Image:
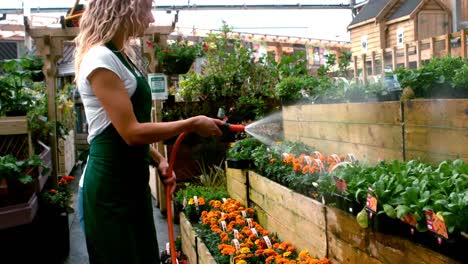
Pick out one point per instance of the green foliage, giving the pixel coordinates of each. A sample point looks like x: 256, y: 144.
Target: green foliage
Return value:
x: 292, y: 65
x: 242, y: 149
x: 289, y: 88
x: 207, y: 192
x: 12, y: 169
x: 460, y: 79
x: 435, y: 79
x: 211, y: 176
x: 344, y: 60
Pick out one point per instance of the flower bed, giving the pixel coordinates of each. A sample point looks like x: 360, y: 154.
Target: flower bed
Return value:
x: 229, y: 233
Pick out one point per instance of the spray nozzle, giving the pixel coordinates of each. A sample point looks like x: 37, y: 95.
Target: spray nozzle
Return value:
x: 233, y: 128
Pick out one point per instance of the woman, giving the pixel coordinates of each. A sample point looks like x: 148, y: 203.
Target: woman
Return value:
x: 117, y: 207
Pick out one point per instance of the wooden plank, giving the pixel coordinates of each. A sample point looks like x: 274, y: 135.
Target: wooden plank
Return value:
x: 369, y: 154
x: 377, y: 135
x: 315, y: 244
x: 341, y: 252
x: 355, y: 68
x: 236, y: 189
x: 15, y: 125
x: 359, y: 113
x: 344, y: 226
x: 237, y: 174
x: 450, y: 113
x: 295, y: 202
x: 373, y: 63
x: 364, y: 68
x: 406, y: 56
x: 463, y: 43
x: 418, y: 54
x: 393, y: 249
x: 204, y: 255
x: 452, y: 142
x: 188, y: 239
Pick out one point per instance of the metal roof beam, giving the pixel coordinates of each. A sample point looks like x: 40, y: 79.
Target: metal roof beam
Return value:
x: 192, y: 8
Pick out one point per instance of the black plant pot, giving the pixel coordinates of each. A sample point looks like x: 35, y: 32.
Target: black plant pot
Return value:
x: 348, y: 205
x: 16, y: 113
x: 38, y: 76
x: 238, y: 164
x: 55, y: 231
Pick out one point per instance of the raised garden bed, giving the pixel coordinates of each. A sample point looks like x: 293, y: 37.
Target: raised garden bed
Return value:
x: 192, y: 246
x: 18, y: 214
x: 328, y: 231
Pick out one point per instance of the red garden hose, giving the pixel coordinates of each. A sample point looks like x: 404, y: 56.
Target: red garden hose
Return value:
x: 170, y: 170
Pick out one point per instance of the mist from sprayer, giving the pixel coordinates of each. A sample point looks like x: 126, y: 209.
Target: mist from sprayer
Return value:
x: 267, y: 130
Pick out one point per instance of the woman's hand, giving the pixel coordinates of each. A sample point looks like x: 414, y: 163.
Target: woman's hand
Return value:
x: 163, y: 166
x: 206, y: 126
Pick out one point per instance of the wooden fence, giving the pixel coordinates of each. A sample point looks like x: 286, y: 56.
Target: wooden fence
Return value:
x: 411, y: 54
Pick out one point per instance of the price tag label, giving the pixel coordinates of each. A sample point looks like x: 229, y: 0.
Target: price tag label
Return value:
x: 267, y: 241
x: 223, y: 225
x: 254, y: 231
x: 340, y: 184
x: 249, y: 222
x: 371, y: 202
x: 336, y: 158
x: 308, y: 160
x: 195, y: 200
x: 168, y: 249
x: 224, y: 200
x: 436, y: 224
x: 184, y: 203
x: 236, y: 244
x: 235, y: 233
x: 244, y: 213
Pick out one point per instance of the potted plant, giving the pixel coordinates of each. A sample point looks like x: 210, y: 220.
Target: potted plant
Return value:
x: 177, y: 57
x: 54, y: 206
x: 19, y: 178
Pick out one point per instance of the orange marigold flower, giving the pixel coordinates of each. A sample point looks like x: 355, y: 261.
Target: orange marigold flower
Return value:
x: 272, y: 160
x: 201, y: 201
x: 53, y: 191
x: 269, y: 259
x: 305, y: 169
x: 297, y: 166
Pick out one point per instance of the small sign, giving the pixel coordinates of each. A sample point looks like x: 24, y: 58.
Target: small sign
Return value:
x: 223, y: 225
x: 340, y: 184
x: 267, y: 241
x: 236, y: 244
x: 236, y: 233
x: 371, y: 202
x: 158, y: 85
x: 254, y: 231
x: 249, y: 222
x: 436, y: 224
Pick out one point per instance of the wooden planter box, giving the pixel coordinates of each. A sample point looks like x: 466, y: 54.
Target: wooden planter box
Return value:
x: 192, y: 246
x: 327, y: 231
x: 66, y: 154
x: 15, y: 137
x: 18, y: 214
x: 433, y: 130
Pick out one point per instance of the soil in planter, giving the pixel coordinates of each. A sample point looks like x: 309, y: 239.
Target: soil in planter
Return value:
x: 347, y: 205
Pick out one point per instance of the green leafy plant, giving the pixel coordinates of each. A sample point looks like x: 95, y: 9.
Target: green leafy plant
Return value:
x: 242, y: 149
x: 22, y: 171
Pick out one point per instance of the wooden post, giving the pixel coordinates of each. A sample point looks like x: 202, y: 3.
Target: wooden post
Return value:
x: 418, y: 54
x: 448, y: 45
x: 463, y: 43
x: 394, y: 59
x: 432, y: 47
x: 364, y: 69
x: 355, y: 68
x: 383, y: 62
x: 406, y: 56
x: 373, y: 63
x: 51, y: 49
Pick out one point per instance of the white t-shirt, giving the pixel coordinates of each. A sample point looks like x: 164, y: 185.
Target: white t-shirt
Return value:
x: 96, y: 116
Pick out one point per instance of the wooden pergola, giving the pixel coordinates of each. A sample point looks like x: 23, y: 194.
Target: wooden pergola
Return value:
x: 49, y: 45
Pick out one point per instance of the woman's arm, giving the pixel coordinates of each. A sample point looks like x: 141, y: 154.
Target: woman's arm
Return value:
x: 111, y: 92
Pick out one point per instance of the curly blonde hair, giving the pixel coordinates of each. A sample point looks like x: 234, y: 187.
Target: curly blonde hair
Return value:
x: 103, y: 18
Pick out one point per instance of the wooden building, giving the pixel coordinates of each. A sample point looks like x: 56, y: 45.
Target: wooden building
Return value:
x: 383, y: 24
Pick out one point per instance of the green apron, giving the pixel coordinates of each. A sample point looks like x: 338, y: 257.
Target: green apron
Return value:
x: 117, y: 204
